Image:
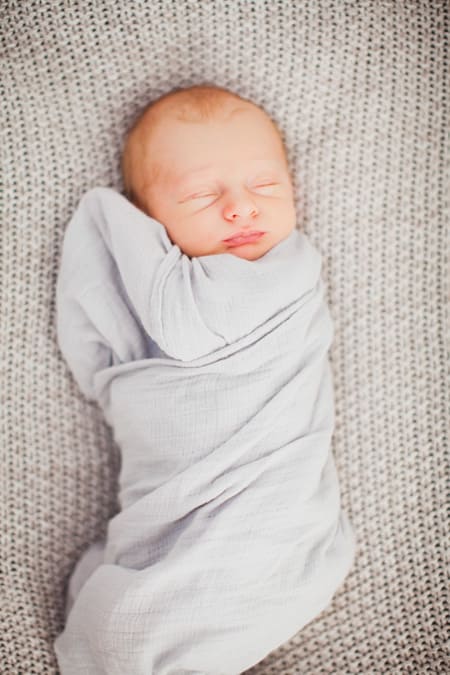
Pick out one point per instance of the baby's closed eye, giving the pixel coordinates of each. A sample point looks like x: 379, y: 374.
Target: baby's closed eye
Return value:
x: 265, y: 185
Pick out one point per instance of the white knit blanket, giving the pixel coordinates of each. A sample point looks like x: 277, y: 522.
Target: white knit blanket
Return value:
x: 213, y: 373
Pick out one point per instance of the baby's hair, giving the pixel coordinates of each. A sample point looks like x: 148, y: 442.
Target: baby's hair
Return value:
x: 198, y: 103
x: 195, y: 104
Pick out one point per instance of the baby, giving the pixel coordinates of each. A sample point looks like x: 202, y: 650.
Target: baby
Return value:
x: 212, y: 370
x: 212, y: 168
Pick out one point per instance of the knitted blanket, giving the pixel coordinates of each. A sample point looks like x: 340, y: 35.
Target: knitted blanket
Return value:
x: 213, y: 373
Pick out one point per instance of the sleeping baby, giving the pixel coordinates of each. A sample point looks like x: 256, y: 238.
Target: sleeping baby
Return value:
x: 192, y: 311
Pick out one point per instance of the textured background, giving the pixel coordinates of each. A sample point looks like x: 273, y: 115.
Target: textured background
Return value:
x: 361, y: 93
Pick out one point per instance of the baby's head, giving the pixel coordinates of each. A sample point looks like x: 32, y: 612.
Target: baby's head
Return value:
x: 208, y: 164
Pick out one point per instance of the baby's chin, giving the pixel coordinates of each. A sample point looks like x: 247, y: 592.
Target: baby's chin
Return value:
x: 239, y: 252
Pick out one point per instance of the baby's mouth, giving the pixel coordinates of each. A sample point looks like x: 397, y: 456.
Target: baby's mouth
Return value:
x: 244, y: 238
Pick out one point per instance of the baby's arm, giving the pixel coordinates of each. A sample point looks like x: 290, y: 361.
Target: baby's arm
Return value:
x: 110, y: 254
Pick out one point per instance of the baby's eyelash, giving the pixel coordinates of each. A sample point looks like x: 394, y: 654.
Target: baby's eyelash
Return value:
x: 263, y: 185
x: 194, y: 196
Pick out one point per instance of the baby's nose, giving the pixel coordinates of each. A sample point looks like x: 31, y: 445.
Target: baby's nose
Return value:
x: 240, y: 207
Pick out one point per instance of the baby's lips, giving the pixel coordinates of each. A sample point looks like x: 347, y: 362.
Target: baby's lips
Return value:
x: 244, y: 234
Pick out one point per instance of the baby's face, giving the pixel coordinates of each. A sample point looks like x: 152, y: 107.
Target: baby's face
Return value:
x: 218, y: 178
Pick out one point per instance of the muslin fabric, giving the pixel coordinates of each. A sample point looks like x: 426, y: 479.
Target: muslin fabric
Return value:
x: 231, y: 535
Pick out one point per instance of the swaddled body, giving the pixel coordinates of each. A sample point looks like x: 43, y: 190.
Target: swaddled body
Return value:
x: 213, y: 372
x: 231, y: 535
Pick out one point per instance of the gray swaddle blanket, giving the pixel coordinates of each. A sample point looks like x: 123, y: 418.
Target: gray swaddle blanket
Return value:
x: 213, y: 373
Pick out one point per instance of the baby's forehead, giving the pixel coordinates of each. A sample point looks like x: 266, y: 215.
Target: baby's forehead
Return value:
x: 162, y: 129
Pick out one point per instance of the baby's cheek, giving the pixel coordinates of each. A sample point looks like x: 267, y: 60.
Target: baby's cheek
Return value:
x: 186, y: 236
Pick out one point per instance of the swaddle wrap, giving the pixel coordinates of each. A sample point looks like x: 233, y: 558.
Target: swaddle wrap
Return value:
x: 213, y: 373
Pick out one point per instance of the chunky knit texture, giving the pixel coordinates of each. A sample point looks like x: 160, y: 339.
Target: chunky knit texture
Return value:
x: 361, y: 93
